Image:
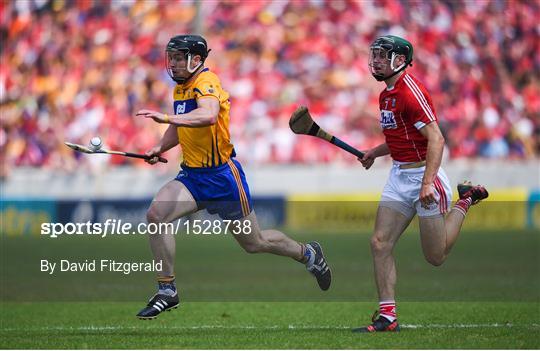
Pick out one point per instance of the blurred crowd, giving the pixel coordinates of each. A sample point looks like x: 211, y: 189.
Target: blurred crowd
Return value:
x: 71, y: 70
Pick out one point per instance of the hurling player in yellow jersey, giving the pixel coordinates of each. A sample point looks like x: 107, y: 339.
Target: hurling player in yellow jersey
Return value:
x: 210, y: 178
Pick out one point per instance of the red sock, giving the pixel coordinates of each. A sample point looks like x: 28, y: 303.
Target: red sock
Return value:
x: 387, y: 309
x: 463, y: 205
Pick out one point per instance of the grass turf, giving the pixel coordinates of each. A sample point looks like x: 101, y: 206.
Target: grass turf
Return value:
x: 275, y: 325
x: 485, y: 296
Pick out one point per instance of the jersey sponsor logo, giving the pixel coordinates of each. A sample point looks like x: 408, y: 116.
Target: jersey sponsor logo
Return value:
x: 181, y: 108
x: 388, y: 121
x: 184, y: 106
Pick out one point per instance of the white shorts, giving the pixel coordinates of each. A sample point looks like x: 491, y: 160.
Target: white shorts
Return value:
x: 402, y: 192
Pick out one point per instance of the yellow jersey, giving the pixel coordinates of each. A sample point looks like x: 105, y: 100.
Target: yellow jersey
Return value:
x: 205, y: 146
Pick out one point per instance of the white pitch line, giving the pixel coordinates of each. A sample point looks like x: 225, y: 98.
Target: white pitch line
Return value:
x: 458, y: 326
x: 273, y: 327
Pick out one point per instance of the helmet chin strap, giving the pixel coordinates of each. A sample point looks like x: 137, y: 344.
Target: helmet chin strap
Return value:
x: 397, y: 69
x: 190, y: 70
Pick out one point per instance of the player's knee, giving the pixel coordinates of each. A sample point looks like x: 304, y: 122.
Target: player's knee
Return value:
x: 153, y: 215
x: 379, y: 245
x: 436, y: 260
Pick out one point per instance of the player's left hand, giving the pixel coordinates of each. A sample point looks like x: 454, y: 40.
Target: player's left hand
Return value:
x: 156, y: 116
x: 427, y: 195
x: 368, y: 159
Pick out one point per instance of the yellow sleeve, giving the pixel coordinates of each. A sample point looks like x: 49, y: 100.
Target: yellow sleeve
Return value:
x: 207, y: 86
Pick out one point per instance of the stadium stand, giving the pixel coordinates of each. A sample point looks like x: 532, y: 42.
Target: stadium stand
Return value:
x: 72, y: 70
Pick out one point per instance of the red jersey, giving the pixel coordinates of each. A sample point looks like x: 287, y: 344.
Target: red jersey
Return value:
x: 405, y: 109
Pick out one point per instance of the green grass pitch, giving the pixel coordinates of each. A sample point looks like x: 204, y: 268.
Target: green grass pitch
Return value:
x: 271, y: 325
x: 487, y: 295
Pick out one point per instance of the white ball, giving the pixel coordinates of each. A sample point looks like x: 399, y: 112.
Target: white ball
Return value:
x: 96, y: 143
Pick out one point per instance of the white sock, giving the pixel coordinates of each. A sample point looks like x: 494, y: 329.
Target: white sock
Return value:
x: 169, y: 292
x: 167, y: 288
x: 387, y: 309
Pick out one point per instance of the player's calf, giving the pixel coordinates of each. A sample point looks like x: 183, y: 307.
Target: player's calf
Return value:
x: 434, y: 236
x: 435, y: 259
x: 253, y: 247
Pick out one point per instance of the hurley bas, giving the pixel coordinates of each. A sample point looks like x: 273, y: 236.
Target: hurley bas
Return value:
x: 100, y: 266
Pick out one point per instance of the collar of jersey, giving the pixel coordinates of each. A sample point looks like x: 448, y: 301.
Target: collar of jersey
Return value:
x: 397, y: 82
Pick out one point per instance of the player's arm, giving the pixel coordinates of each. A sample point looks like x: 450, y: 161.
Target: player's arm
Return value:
x: 434, y: 154
x: 371, y: 155
x: 380, y: 150
x: 169, y: 139
x: 204, y: 115
x: 167, y: 142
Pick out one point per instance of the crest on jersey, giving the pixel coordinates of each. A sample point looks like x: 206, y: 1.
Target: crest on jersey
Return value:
x: 388, y: 121
x: 209, y: 89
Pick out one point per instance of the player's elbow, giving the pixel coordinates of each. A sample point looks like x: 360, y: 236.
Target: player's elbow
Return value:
x: 212, y: 119
x: 205, y: 116
x: 441, y: 139
x: 209, y: 118
x: 437, y: 139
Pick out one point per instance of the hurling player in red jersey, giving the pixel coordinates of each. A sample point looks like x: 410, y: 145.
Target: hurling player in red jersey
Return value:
x: 417, y: 184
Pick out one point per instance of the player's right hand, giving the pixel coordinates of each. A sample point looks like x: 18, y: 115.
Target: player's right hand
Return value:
x: 368, y: 159
x: 154, y: 152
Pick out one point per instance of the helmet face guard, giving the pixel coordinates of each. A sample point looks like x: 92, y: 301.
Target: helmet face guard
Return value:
x: 383, y: 53
x: 172, y: 66
x: 184, y: 48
